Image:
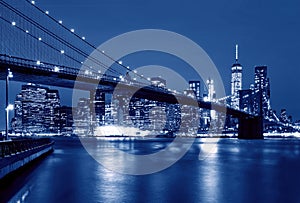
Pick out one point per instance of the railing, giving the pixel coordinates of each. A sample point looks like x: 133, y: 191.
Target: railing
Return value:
x: 17, y: 61
x: 17, y: 146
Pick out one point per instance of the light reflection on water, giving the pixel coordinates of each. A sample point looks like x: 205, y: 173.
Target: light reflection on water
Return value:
x: 235, y: 171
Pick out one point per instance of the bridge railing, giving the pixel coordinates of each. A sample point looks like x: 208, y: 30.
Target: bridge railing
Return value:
x: 16, y: 146
x: 13, y: 60
x: 59, y: 69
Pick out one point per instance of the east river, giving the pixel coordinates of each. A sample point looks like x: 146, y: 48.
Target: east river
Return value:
x: 233, y: 171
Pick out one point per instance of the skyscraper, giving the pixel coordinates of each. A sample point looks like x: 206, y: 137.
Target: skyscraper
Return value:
x: 211, y: 90
x: 82, y: 117
x: 262, y: 91
x: 97, y: 107
x: 35, y: 110
x: 236, y: 81
x: 195, y: 86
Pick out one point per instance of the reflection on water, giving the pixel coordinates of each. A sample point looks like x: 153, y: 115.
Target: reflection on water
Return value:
x: 234, y: 171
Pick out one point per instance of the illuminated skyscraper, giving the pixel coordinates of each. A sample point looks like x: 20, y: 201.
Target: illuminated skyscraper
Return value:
x: 262, y: 83
x: 35, y: 110
x: 195, y: 86
x: 211, y: 90
x: 236, y: 81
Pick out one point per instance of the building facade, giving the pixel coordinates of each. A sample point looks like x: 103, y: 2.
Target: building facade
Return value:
x: 236, y: 81
x: 262, y: 92
x: 35, y: 110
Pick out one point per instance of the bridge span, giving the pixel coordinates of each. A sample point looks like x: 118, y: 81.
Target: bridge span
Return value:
x: 26, y: 70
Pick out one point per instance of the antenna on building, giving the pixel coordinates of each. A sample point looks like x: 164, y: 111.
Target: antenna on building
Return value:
x: 236, y: 52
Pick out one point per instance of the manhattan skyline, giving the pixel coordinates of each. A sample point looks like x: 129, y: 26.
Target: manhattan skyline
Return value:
x: 265, y: 31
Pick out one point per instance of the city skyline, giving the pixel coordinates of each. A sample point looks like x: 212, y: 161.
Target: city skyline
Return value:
x: 205, y: 91
x: 265, y: 31
x: 249, y: 56
x: 256, y: 47
x: 149, y: 101
x: 37, y: 109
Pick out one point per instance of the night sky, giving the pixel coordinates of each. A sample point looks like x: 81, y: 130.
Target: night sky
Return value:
x: 267, y: 33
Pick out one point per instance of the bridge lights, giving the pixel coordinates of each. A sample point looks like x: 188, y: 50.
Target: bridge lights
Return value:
x: 33, y: 2
x: 60, y: 21
x: 38, y: 63
x: 13, y: 23
x: 62, y: 51
x: 83, y: 38
x: 56, y: 69
x: 72, y: 30
x: 40, y: 39
x: 47, y: 12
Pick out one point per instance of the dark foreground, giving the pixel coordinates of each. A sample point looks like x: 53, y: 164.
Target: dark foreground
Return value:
x: 237, y: 171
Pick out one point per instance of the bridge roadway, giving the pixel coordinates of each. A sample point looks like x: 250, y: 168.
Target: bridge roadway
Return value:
x: 25, y: 70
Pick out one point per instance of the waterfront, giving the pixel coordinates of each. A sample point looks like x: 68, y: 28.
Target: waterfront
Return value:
x: 237, y: 171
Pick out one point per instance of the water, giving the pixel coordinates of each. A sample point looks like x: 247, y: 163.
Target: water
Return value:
x: 236, y: 171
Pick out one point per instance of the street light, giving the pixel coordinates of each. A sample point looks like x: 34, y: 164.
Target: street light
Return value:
x: 8, y: 106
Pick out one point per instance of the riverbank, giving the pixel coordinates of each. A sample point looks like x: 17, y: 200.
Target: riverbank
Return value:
x: 16, y: 154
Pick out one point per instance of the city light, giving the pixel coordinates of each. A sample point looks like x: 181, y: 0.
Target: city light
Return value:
x: 10, y: 74
x: 13, y: 23
x: 10, y: 107
x: 40, y: 39
x: 56, y: 69
x: 62, y: 51
x: 120, y: 62
x: 27, y: 31
x: 38, y: 63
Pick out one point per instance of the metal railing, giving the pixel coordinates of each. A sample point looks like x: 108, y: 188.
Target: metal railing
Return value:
x: 17, y: 146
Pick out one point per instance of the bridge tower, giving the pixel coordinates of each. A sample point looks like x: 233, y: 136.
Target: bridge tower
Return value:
x: 236, y: 80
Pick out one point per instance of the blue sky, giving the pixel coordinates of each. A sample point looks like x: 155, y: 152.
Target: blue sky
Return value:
x: 267, y: 33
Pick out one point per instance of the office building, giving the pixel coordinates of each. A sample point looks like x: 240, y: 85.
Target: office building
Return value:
x: 236, y: 81
x: 195, y: 86
x: 35, y: 110
x: 262, y: 92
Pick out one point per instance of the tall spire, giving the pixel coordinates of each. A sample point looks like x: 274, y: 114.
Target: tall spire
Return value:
x: 236, y: 53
